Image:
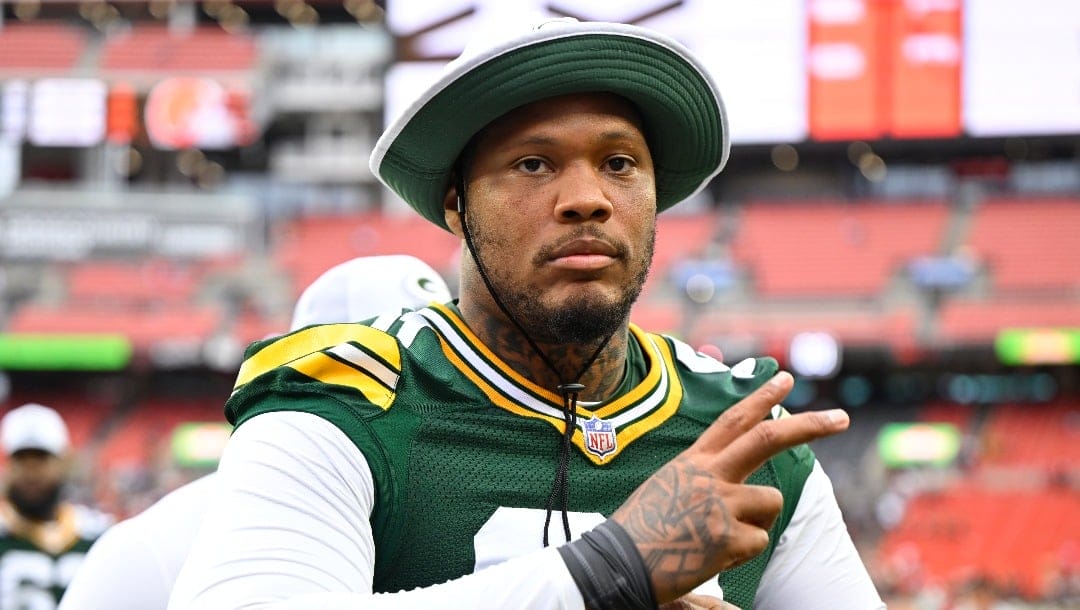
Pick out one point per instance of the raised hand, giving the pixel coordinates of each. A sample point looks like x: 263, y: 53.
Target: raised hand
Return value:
x: 695, y: 517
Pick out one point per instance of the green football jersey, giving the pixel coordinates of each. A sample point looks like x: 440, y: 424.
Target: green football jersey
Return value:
x: 38, y: 560
x: 463, y: 450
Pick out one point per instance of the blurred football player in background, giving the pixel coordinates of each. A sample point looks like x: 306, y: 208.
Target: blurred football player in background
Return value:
x: 43, y: 539
x: 135, y: 563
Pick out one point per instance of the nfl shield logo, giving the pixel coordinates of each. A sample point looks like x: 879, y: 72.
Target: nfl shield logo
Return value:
x: 599, y: 436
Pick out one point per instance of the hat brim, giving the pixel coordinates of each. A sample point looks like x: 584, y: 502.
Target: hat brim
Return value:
x: 681, y: 109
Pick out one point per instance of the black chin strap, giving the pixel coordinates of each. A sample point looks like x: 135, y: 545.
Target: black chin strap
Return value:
x: 561, y: 487
x: 569, y: 390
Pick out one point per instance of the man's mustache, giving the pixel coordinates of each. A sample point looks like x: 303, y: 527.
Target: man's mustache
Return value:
x: 547, y: 252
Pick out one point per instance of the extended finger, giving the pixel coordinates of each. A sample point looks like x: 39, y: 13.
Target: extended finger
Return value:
x: 744, y: 414
x: 750, y: 450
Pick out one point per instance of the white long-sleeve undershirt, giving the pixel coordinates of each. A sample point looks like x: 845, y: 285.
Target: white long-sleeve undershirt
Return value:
x: 288, y: 528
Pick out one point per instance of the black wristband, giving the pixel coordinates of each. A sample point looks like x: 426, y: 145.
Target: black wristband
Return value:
x: 609, y: 570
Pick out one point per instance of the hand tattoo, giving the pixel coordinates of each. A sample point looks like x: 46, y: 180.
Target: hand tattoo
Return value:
x: 678, y: 520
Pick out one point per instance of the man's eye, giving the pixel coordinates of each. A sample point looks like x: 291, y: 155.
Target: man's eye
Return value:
x: 618, y: 164
x: 531, y: 165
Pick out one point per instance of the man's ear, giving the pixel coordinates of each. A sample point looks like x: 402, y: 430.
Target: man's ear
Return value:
x: 450, y: 210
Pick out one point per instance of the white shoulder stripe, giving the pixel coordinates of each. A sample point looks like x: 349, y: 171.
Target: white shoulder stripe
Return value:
x: 384, y: 321
x: 744, y: 369
x: 370, y: 365
x: 696, y: 361
x: 411, y: 324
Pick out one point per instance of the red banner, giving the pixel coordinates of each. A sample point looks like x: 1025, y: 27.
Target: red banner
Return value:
x: 845, y: 70
x: 926, y: 62
x: 882, y: 68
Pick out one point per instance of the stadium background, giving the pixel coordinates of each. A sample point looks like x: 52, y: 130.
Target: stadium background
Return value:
x: 899, y: 224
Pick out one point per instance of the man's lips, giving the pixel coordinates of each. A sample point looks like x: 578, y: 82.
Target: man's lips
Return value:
x: 585, y: 247
x: 584, y: 254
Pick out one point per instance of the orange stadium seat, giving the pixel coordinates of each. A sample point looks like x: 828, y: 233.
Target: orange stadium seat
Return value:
x: 153, y: 48
x: 147, y: 429
x: 309, y: 246
x: 658, y: 317
x: 979, y: 321
x: 1045, y: 437
x: 775, y: 329
x: 958, y: 415
x: 967, y: 530
x: 250, y: 326
x: 40, y: 46
x: 1028, y: 244
x: 981, y: 524
x: 679, y: 237
x: 114, y: 282
x: 144, y: 327
x: 833, y: 248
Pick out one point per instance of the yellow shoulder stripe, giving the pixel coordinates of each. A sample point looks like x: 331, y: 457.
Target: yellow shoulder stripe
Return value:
x: 314, y: 339
x: 51, y: 538
x: 326, y: 369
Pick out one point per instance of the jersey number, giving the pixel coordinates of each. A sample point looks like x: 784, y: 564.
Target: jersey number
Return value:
x: 28, y: 578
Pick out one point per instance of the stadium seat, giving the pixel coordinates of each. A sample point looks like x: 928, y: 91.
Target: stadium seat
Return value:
x: 1028, y: 244
x: 969, y: 530
x: 658, y: 316
x: 773, y: 328
x: 250, y: 326
x: 1040, y: 437
x: 960, y: 416
x: 679, y: 237
x: 834, y: 248
x: 46, y: 47
x: 92, y: 282
x: 968, y: 321
x: 155, y: 49
x: 309, y: 246
x: 144, y: 327
x: 145, y: 431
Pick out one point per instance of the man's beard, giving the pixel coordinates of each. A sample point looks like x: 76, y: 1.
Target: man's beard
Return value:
x: 579, y: 320
x: 40, y: 508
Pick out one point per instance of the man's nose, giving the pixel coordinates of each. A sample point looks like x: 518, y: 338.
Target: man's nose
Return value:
x: 581, y: 195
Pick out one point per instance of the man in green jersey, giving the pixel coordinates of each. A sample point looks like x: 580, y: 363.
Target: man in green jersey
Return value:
x: 526, y: 446
x: 42, y: 538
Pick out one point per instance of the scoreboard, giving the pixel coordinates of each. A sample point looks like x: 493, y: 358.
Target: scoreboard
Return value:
x: 821, y: 70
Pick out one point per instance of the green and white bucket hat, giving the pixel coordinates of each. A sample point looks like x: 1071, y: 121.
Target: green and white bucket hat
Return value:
x: 680, y: 105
